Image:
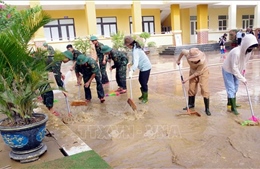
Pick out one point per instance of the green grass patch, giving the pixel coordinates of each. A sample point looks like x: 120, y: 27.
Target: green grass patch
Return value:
x: 88, y: 159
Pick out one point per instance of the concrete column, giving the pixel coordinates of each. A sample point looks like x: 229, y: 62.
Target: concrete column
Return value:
x: 232, y: 16
x: 90, y: 13
x: 39, y: 37
x: 185, y: 25
x: 176, y: 24
x: 137, y: 17
x: 202, y: 24
x: 257, y: 18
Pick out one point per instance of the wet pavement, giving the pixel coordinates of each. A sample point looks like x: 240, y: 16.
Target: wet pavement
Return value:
x: 155, y: 136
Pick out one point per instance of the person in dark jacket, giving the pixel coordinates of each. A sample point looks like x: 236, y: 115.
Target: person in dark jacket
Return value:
x: 120, y: 64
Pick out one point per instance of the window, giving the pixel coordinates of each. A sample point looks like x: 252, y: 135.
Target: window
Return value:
x: 222, y: 22
x: 60, y: 29
x: 147, y: 23
x: 106, y: 26
x: 247, y: 21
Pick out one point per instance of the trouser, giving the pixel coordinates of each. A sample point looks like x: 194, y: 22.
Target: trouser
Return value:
x: 239, y: 41
x: 58, y: 79
x: 99, y: 87
x: 231, y: 83
x: 121, y: 76
x: 143, y: 79
x: 48, y: 97
x: 102, y: 67
x: 203, y: 81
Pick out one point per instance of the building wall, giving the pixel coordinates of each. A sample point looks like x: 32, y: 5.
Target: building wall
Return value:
x: 123, y: 15
x: 79, y: 19
x: 185, y: 25
x: 167, y: 21
x: 243, y: 11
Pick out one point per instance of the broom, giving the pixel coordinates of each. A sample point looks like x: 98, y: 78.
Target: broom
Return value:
x: 113, y: 93
x: 185, y: 96
x: 78, y: 102
x: 129, y: 100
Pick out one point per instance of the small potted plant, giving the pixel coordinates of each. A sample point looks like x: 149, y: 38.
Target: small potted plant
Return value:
x: 23, y: 78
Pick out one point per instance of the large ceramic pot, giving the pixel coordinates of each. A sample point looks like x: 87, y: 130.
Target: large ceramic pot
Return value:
x: 26, y: 141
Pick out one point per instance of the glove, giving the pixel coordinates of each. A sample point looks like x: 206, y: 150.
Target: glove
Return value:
x: 130, y: 74
x: 243, y: 72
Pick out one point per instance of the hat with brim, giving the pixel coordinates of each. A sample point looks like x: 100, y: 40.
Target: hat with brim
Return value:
x: 82, y: 59
x: 195, y: 55
x: 92, y: 38
x: 105, y: 49
x: 128, y: 40
x: 68, y: 54
x: 45, y: 44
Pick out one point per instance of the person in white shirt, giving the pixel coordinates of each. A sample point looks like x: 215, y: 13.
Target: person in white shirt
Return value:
x: 139, y: 61
x: 233, y: 68
x: 239, y: 37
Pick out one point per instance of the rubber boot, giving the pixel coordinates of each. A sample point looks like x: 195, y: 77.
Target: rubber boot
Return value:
x: 206, y: 103
x: 145, y: 97
x: 233, y: 106
x: 141, y: 97
x: 236, y: 102
x: 191, y: 102
x: 229, y: 105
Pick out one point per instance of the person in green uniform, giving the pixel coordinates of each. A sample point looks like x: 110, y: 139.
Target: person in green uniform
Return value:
x: 54, y: 66
x: 102, y: 60
x: 88, y: 67
x: 49, y: 48
x: 120, y: 64
x: 75, y: 54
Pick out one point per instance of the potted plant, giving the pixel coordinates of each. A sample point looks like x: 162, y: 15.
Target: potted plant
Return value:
x: 152, y: 47
x: 23, y: 78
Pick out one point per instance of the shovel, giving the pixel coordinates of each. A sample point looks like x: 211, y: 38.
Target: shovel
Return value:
x: 185, y: 96
x: 130, y: 100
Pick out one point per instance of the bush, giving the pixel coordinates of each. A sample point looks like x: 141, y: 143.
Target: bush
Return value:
x: 118, y: 40
x: 151, y: 44
x: 82, y: 45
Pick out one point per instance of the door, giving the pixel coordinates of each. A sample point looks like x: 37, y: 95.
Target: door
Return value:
x: 193, y: 32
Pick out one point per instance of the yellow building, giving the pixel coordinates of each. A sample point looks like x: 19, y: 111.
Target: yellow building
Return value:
x: 168, y: 22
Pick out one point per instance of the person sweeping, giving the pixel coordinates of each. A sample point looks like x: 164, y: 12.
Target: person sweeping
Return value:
x: 141, y: 61
x: 198, y: 75
x: 120, y: 64
x: 233, y: 68
x: 88, y: 67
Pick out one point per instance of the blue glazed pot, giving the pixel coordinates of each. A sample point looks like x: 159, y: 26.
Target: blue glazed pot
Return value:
x: 25, y: 138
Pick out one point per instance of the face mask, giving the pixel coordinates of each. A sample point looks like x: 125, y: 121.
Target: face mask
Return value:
x: 249, y: 50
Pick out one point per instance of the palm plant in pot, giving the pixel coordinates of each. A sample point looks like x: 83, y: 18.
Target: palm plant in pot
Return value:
x: 23, y: 78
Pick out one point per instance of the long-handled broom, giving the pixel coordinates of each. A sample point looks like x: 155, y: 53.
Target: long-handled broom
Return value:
x: 185, y: 96
x: 130, y: 100
x: 78, y: 102
x: 253, y: 117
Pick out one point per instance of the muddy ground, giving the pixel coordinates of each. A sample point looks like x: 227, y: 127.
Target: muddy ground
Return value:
x: 154, y: 136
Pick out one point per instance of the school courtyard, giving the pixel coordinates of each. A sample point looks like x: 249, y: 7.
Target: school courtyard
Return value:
x: 155, y: 136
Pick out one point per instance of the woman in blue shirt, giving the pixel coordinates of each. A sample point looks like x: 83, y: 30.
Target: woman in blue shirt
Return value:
x: 140, y: 61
